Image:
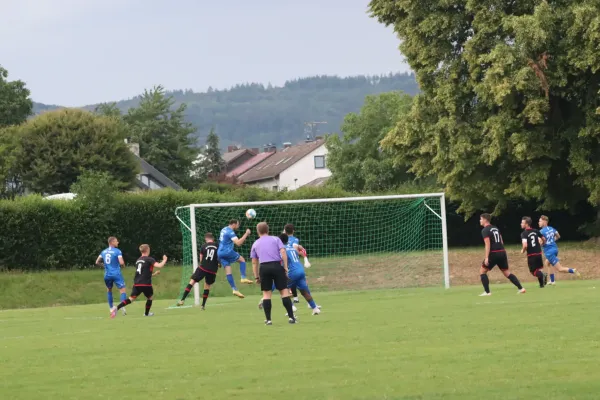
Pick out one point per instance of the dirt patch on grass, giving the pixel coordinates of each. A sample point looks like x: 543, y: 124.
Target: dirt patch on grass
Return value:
x: 391, y: 271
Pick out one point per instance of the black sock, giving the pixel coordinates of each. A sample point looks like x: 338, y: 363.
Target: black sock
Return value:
x: 485, y: 281
x: 187, y: 291
x: 123, y: 304
x: 204, y: 297
x: 515, y: 281
x: 294, y: 291
x: 287, y: 303
x: 267, y: 308
x: 148, y: 306
x: 540, y: 276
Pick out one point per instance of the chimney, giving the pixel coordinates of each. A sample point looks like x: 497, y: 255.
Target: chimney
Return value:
x: 272, y: 148
x: 308, y: 139
x: 134, y: 148
x: 287, y: 145
x: 255, y: 150
x: 231, y: 148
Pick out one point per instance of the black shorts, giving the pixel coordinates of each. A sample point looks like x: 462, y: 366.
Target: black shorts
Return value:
x: 207, y: 276
x: 148, y: 291
x: 497, y: 259
x: 535, y: 262
x: 272, y: 272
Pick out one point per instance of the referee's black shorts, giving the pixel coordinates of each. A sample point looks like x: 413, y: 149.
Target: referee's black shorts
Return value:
x: 272, y: 272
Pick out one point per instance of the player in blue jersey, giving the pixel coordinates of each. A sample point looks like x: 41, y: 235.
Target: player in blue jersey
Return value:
x: 112, y: 259
x: 290, y: 231
x: 296, y: 274
x: 227, y: 254
x: 550, y: 248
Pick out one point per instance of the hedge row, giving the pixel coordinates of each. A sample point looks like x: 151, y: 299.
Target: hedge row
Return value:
x: 38, y: 234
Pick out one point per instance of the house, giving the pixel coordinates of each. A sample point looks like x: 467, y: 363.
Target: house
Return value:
x: 149, y: 177
x: 237, y: 156
x: 289, y: 168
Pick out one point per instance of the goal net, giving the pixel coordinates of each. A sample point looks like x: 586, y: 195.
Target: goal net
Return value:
x: 352, y: 243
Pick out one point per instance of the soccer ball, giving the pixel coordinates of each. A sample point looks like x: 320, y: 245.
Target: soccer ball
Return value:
x: 250, y: 213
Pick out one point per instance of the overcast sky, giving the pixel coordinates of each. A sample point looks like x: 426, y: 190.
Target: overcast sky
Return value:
x: 77, y: 52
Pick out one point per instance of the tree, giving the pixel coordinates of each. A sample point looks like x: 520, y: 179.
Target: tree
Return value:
x: 356, y: 160
x: 213, y: 163
x: 15, y: 104
x: 108, y: 110
x: 10, y: 180
x: 164, y: 136
x: 509, y: 93
x: 61, y: 144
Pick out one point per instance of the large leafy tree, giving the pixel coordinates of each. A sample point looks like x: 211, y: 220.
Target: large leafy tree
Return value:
x: 58, y: 146
x: 15, y: 104
x: 509, y: 98
x: 356, y: 159
x: 166, y: 139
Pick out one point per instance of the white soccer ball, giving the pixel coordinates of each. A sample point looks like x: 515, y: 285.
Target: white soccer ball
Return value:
x: 250, y: 213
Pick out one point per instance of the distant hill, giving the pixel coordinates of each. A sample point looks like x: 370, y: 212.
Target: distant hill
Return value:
x: 254, y: 114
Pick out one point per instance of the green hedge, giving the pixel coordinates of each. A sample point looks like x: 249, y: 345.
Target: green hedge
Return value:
x: 38, y: 234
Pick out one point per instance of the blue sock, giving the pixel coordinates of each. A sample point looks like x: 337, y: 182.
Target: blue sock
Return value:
x: 231, y: 281
x: 123, y: 297
x: 110, y: 299
x: 551, y: 277
x: 571, y: 271
x: 243, y: 269
x: 312, y: 304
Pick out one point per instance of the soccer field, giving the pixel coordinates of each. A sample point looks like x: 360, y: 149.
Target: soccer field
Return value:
x: 397, y: 344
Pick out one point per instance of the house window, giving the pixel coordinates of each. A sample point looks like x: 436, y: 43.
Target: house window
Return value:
x: 275, y: 188
x: 154, y: 185
x: 319, y: 162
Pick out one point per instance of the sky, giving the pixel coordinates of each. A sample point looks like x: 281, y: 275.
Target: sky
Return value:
x: 78, y: 52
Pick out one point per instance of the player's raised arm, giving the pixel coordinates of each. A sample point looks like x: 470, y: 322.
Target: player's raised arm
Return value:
x: 162, y: 263
x: 240, y: 241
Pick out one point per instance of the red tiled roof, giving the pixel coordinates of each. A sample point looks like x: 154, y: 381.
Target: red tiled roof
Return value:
x: 251, y: 162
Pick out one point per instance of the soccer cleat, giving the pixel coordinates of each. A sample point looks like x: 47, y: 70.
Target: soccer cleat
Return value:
x: 247, y: 281
x: 202, y: 308
x: 521, y: 291
x: 294, y: 308
x: 551, y: 283
x: 316, y: 311
x: 296, y: 300
x: 308, y: 306
x: 180, y: 303
x: 113, y: 312
x: 485, y: 294
x: 268, y: 323
x: 292, y: 321
x: 238, y: 294
x: 151, y: 314
x: 123, y: 311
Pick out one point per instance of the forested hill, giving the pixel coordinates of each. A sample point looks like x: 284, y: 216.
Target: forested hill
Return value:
x: 254, y: 114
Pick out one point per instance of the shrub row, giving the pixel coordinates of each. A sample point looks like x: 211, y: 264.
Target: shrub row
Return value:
x: 38, y: 234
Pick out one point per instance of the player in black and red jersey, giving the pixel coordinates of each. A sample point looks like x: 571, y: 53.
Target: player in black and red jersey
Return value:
x: 532, y: 241
x: 142, y: 281
x: 207, y: 270
x: 495, y: 254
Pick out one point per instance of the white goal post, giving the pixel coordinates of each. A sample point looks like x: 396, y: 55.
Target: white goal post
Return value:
x: 408, y: 215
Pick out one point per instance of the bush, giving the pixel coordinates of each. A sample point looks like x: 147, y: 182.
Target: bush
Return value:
x: 40, y: 234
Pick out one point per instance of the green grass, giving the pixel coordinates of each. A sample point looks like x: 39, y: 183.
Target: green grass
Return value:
x: 394, y: 344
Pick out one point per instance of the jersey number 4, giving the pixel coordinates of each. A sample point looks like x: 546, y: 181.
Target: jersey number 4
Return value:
x: 139, y: 267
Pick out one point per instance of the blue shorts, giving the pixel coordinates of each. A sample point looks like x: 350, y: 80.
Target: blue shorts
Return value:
x: 228, y: 258
x: 298, y: 279
x: 118, y: 280
x: 552, y: 257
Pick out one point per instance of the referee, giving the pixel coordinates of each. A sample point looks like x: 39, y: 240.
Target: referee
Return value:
x: 270, y: 252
